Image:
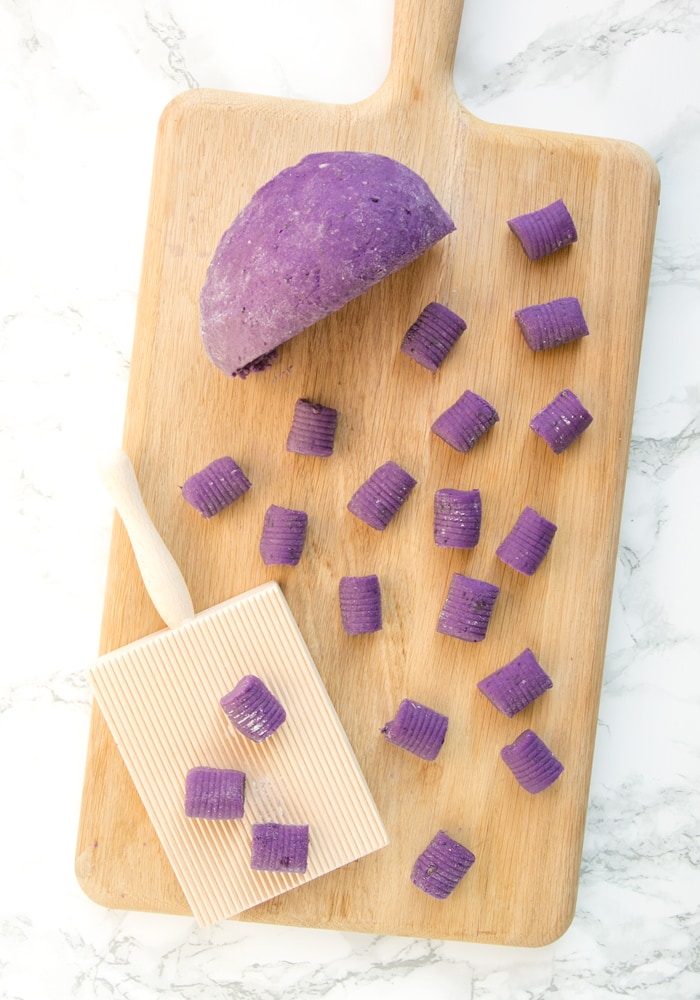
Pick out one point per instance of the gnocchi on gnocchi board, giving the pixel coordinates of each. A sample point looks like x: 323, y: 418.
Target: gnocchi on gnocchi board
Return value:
x: 213, y: 150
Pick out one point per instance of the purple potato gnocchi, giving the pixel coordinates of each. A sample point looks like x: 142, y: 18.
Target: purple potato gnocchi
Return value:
x: 418, y: 729
x: 531, y: 762
x: 440, y: 868
x: 468, y: 419
x: 562, y: 421
x: 315, y: 236
x: 545, y: 230
x: 528, y: 542
x: 280, y: 847
x: 456, y: 518
x: 214, y: 793
x: 516, y: 685
x: 430, y: 339
x: 313, y: 429
x: 552, y: 324
x: 360, y: 600
x: 252, y: 709
x: 283, y: 536
x: 468, y: 607
x: 381, y: 496
x: 215, y: 487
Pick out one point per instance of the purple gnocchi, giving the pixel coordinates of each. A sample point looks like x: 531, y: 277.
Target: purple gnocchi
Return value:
x: 418, y: 729
x: 440, y: 868
x: 516, y: 685
x: 313, y: 429
x: 214, y: 793
x: 531, y: 762
x: 562, y: 421
x: 382, y: 495
x: 215, y: 487
x: 252, y: 709
x: 468, y: 419
x: 280, y: 847
x: 528, y: 542
x: 552, y: 324
x: 430, y: 339
x: 456, y: 518
x: 360, y: 604
x: 283, y: 536
x: 468, y: 607
x: 545, y: 230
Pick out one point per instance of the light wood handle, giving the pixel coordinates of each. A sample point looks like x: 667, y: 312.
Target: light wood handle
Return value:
x: 161, y: 575
x: 424, y: 44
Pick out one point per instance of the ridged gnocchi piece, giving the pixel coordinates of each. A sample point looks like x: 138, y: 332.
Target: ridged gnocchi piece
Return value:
x: 562, y: 421
x: 528, y: 542
x: 214, y: 793
x: 360, y: 600
x: 466, y: 421
x: 381, y: 496
x: 215, y: 487
x: 440, y: 868
x: 468, y: 607
x: 280, y: 847
x: 283, y: 536
x: 418, y: 729
x: 457, y: 518
x: 516, y: 685
x: 545, y: 230
x: 252, y: 709
x: 313, y: 429
x: 552, y: 324
x: 433, y: 335
x: 531, y: 762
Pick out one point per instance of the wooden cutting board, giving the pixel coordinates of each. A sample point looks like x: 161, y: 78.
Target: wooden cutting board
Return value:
x: 214, y: 149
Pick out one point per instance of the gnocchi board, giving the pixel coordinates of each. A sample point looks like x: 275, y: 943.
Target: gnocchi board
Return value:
x: 213, y: 150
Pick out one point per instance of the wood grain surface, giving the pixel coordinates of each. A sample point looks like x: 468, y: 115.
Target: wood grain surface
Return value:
x: 214, y: 149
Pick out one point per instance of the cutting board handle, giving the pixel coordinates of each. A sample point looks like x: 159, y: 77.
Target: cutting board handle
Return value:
x: 161, y: 575
x: 424, y: 45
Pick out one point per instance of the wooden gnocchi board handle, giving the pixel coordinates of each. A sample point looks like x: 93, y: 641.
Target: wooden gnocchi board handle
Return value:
x: 160, y: 573
x: 213, y: 150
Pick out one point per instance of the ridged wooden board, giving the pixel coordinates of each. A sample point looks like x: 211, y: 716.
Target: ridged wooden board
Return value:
x: 214, y: 149
x: 160, y: 697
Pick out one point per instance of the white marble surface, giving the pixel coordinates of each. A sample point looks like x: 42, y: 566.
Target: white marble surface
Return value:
x: 81, y: 87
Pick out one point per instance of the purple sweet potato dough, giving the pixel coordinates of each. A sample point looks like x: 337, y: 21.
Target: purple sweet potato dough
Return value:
x: 516, y: 685
x: 468, y: 419
x: 552, y: 324
x: 313, y: 429
x: 215, y: 487
x: 531, y: 762
x: 545, y: 230
x: 456, y: 518
x: 360, y: 604
x: 379, y: 498
x: 560, y: 422
x: 430, y: 339
x: 252, y: 709
x: 214, y: 793
x: 283, y: 535
x: 468, y: 607
x: 315, y: 236
x: 528, y: 542
x: 280, y: 847
x: 439, y: 869
x: 417, y: 728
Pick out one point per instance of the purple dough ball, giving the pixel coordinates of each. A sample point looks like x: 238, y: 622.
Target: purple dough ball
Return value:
x: 312, y: 238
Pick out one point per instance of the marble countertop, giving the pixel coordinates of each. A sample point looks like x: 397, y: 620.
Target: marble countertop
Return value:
x: 81, y: 88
